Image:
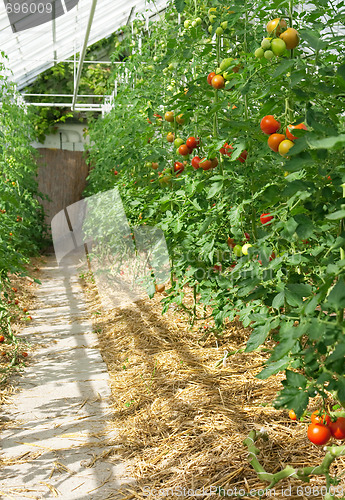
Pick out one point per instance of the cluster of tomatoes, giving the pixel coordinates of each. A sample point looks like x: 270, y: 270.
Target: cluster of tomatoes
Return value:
x: 280, y: 143
x: 322, y: 427
x: 281, y: 38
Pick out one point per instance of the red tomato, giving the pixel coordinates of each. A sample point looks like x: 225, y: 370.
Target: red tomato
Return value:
x: 205, y: 164
x: 264, y: 218
x: 318, y: 434
x: 269, y: 125
x: 178, y: 167
x: 226, y: 149
x: 192, y: 143
x: 184, y: 150
x: 2, y: 338
x: 318, y: 417
x: 273, y: 256
x: 289, y: 128
x: 195, y: 162
x: 231, y: 242
x: 274, y: 140
x: 292, y: 415
x: 338, y: 428
x: 210, y: 76
x: 247, y: 236
x: 243, y: 156
x: 218, y: 82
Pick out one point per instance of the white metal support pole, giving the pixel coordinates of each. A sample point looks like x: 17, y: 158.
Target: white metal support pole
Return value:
x: 83, y: 52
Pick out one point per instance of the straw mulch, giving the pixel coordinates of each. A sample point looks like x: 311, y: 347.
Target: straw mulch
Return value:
x: 180, y: 421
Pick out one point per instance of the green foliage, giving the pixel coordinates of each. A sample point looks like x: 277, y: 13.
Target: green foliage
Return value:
x: 290, y: 286
x: 22, y: 230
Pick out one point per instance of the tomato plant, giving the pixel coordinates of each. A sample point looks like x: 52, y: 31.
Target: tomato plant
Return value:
x: 281, y: 284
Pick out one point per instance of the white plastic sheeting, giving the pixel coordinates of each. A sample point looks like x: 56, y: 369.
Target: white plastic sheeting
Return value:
x: 33, y: 50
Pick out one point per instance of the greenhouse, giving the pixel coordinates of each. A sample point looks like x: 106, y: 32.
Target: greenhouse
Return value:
x: 172, y: 249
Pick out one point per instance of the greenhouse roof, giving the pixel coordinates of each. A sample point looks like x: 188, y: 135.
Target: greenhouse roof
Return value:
x: 32, y: 50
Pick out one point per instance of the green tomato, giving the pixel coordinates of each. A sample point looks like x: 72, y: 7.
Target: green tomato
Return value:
x: 210, y: 29
x: 227, y: 76
x: 187, y: 23
x: 224, y: 25
x: 148, y: 164
x: 268, y: 54
x: 237, y: 250
x: 194, y: 24
x: 245, y: 248
x: 278, y: 46
x: 150, y: 67
x: 212, y: 19
x: 225, y: 63
x: 155, y: 58
x: 178, y: 142
x: 211, y: 10
x: 198, y: 21
x: 266, y: 44
x: 259, y: 53
x: 219, y: 31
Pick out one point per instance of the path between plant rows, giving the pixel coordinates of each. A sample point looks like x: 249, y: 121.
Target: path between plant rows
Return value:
x: 58, y: 418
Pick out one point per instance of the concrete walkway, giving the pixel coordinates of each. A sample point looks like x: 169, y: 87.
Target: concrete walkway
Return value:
x: 60, y: 413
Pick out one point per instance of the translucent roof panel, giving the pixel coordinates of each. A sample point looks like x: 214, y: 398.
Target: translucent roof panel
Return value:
x: 32, y: 50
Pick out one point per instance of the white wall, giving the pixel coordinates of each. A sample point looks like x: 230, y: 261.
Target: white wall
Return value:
x: 69, y: 137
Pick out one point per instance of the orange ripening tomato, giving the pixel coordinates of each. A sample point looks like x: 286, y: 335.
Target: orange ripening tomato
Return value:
x: 318, y: 417
x: 289, y: 129
x: 184, y: 150
x: 205, y: 164
x: 218, y: 82
x: 291, y: 38
x: 292, y: 415
x: 274, y: 140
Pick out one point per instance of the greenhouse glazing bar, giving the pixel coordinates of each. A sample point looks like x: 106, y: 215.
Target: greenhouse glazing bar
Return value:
x: 83, y: 52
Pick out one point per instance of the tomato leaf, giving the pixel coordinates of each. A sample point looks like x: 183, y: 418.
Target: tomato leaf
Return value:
x: 278, y: 300
x: 180, y: 5
x: 283, y: 67
x: 336, y: 298
x: 258, y: 336
x: 273, y: 368
x: 295, y: 379
x: 336, y: 142
x: 215, y: 188
x: 292, y: 397
x: 339, y: 214
x: 313, y: 40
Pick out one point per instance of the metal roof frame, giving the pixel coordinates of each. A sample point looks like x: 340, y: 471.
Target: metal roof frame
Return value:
x: 32, y: 51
